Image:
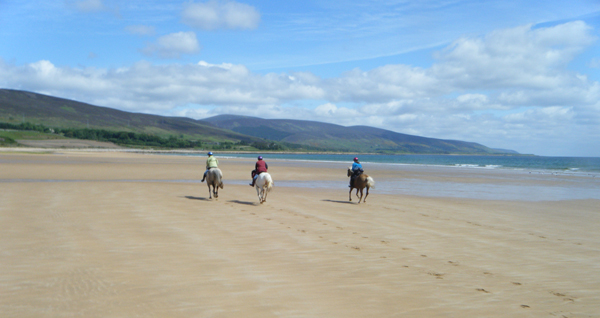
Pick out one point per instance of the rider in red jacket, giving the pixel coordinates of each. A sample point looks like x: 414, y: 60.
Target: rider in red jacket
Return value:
x: 259, y: 168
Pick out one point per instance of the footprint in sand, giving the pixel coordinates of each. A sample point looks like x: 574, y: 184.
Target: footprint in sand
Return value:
x: 516, y: 283
x: 525, y: 306
x: 565, y: 296
x: 436, y: 275
x: 483, y: 290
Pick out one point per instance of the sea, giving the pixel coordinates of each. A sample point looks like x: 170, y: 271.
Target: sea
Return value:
x: 539, y: 163
x: 525, y: 178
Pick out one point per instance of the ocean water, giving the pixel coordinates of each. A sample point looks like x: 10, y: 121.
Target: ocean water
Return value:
x: 537, y: 163
x: 525, y: 178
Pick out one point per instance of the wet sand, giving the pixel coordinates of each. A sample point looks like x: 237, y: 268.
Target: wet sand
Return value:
x: 126, y: 235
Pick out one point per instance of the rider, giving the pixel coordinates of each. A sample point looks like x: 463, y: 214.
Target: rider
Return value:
x: 357, y: 170
x: 259, y: 168
x: 211, y: 162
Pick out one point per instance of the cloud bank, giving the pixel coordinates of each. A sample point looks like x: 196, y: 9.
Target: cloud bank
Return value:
x: 213, y: 15
x: 87, y: 5
x: 509, y: 89
x: 173, y: 45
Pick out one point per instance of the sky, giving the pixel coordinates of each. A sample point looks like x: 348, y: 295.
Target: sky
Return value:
x: 511, y: 74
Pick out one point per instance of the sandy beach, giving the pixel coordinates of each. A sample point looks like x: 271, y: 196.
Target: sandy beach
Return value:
x: 112, y: 234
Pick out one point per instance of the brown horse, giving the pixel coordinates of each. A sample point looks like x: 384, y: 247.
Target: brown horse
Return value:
x: 361, y: 182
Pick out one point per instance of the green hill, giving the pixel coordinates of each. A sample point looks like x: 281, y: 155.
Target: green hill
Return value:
x: 17, y: 106
x: 275, y: 134
x: 340, y: 138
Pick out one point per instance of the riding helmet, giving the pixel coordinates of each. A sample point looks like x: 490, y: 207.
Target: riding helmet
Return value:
x: 259, y: 157
x: 355, y: 158
x: 210, y: 153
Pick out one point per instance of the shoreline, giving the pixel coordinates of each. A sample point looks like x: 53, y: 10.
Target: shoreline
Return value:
x: 123, y: 149
x: 574, y: 172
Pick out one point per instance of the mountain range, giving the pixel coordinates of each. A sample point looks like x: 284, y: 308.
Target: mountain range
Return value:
x: 18, y: 106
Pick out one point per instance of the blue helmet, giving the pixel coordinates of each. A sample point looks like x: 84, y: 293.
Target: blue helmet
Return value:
x: 259, y: 157
x: 210, y: 153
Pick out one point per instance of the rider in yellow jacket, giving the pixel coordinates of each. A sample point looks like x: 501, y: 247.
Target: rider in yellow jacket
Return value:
x: 211, y: 162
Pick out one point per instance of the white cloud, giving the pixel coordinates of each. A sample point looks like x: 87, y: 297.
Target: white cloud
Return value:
x: 220, y: 15
x: 140, y: 29
x: 519, y: 57
x: 509, y: 89
x: 87, y: 5
x: 173, y: 45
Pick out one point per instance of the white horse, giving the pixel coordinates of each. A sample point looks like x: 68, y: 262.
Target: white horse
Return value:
x: 263, y: 185
x: 214, y: 178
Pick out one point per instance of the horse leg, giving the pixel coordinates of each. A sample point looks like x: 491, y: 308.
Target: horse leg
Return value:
x: 365, y: 200
x: 265, y: 195
x: 350, y: 194
x: 209, y: 192
x: 216, y: 192
x: 258, y: 194
x: 361, y: 195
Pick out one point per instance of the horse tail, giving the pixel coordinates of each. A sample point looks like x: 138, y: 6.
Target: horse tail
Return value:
x: 219, y: 178
x: 370, y: 182
x: 269, y: 183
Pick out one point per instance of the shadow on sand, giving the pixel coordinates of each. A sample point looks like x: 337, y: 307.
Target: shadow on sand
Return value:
x: 243, y: 202
x: 197, y: 198
x: 336, y: 201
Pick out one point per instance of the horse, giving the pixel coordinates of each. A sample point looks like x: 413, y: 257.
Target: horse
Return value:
x: 214, y: 178
x: 361, y: 182
x: 264, y: 184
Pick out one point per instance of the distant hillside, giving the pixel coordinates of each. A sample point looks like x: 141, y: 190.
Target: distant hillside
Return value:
x: 16, y: 106
x: 340, y: 138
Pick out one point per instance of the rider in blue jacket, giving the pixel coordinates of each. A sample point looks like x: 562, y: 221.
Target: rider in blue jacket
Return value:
x: 357, y: 170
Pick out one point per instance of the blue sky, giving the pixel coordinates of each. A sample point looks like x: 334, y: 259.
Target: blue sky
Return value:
x: 522, y: 75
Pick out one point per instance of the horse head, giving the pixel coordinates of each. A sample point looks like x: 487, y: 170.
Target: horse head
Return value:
x: 349, y: 171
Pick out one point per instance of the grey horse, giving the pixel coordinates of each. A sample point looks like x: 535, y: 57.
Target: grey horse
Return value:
x: 214, y: 178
